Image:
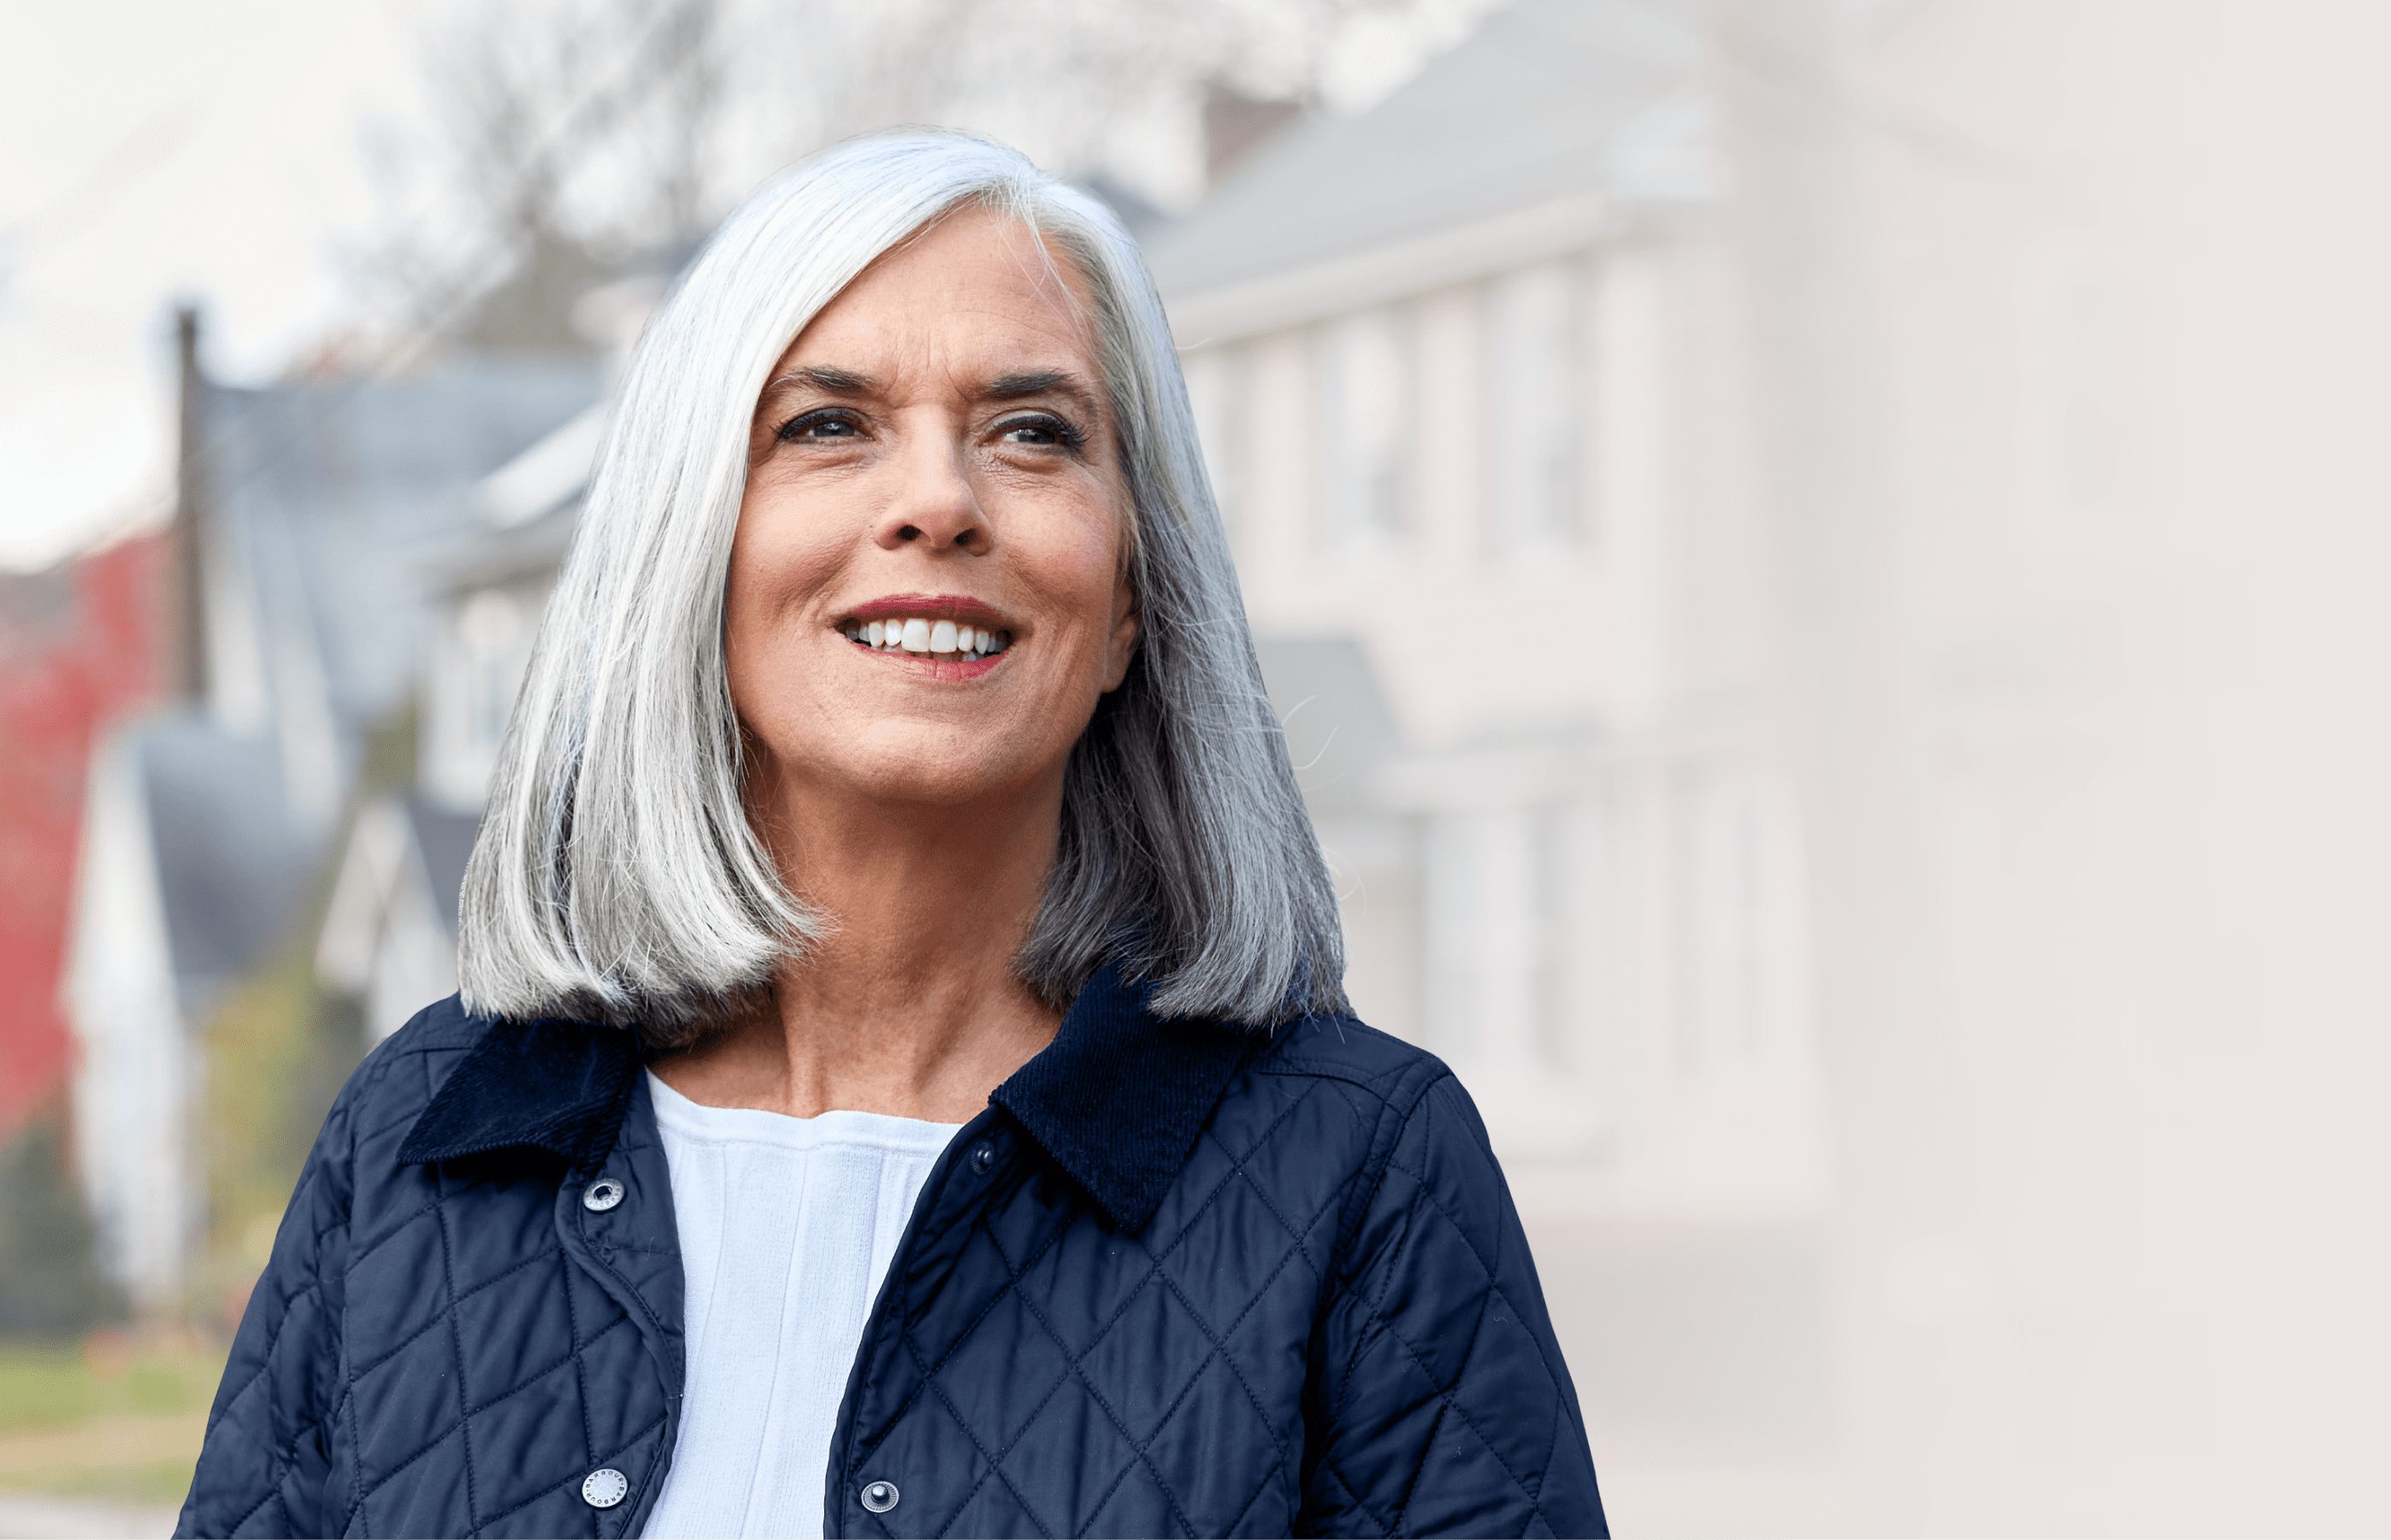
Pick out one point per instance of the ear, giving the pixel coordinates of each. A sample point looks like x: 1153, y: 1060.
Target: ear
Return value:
x: 1122, y: 645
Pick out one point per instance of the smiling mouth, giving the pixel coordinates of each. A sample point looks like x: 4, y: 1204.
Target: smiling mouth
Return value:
x: 920, y: 637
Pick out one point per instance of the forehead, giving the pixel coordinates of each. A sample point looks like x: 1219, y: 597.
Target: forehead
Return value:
x: 971, y: 290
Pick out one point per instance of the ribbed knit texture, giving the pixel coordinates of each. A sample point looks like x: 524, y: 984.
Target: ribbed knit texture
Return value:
x: 787, y: 1228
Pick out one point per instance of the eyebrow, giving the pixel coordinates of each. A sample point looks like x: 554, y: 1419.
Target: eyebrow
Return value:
x: 822, y: 377
x: 1014, y: 387
x: 833, y: 380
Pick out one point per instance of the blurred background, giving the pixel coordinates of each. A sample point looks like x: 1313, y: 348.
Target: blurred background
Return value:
x: 1826, y: 564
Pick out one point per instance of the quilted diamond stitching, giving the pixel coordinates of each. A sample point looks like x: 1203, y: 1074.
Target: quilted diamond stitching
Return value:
x: 1178, y: 1512
x: 365, y: 1253
x: 1031, y: 1420
x: 580, y: 1379
x: 1217, y: 1339
x: 434, y: 1325
x: 273, y: 1493
x: 929, y: 1378
x: 1138, y: 1457
x: 1204, y: 1211
x: 285, y: 1458
x: 273, y: 1344
x: 457, y: 1340
x: 1011, y: 1283
x: 518, y: 1388
x: 1012, y: 1279
x: 1195, y: 1375
x: 1355, y: 1498
x: 1236, y: 1162
x: 1298, y: 1247
x: 1446, y: 1395
x: 573, y: 1483
x: 929, y: 1370
x: 997, y: 1460
x: 1231, y: 1528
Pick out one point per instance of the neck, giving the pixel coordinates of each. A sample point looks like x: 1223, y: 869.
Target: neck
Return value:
x: 908, y: 1005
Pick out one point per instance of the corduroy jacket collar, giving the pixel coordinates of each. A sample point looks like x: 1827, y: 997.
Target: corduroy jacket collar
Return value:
x: 1115, y: 1099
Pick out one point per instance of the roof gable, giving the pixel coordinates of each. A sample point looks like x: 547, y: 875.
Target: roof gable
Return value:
x: 1549, y: 97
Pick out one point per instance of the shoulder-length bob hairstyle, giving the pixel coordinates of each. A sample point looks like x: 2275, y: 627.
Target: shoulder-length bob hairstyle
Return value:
x: 616, y: 876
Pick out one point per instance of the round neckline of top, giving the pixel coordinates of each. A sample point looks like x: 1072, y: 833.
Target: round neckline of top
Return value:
x: 843, y: 1124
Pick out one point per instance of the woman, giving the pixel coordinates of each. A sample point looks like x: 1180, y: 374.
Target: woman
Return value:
x: 901, y: 1082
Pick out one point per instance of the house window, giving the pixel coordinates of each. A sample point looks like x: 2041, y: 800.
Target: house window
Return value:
x: 478, y: 667
x: 1536, y: 394
x: 1362, y: 462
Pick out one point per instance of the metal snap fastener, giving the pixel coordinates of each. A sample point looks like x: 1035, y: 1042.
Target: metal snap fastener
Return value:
x: 603, y: 1195
x: 983, y: 1155
x: 880, y: 1496
x: 604, y: 1487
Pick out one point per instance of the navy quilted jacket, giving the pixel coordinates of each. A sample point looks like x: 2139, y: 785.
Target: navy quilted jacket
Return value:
x: 1176, y: 1280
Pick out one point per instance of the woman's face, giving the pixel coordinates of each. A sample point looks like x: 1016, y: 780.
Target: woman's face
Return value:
x: 927, y: 590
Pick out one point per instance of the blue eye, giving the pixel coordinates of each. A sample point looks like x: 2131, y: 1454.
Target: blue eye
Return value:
x: 818, y: 425
x: 1042, y: 432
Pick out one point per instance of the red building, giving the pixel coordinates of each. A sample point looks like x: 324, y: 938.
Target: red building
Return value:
x: 78, y: 644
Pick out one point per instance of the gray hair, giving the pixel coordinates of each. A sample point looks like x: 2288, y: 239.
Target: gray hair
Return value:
x: 616, y: 876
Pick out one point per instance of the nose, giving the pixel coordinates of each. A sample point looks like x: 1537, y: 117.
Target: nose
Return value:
x: 935, y: 504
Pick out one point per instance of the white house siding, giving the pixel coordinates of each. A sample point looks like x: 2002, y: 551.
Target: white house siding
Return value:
x: 384, y: 939
x: 479, y: 648
x: 1590, y: 898
x: 135, y: 1074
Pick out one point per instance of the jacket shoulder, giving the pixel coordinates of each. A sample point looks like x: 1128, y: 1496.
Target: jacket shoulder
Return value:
x: 1342, y: 1048
x: 401, y: 1073
x: 443, y: 1023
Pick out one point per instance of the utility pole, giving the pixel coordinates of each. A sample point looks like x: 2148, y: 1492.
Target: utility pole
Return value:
x: 187, y: 633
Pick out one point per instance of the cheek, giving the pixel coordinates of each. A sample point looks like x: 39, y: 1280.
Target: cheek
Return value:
x: 1079, y: 567
x: 778, y: 565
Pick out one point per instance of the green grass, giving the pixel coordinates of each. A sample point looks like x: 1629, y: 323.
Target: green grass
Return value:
x: 109, y: 1418
x: 45, y: 1384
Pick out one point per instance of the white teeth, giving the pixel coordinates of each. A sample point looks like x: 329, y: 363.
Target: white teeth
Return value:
x: 943, y: 637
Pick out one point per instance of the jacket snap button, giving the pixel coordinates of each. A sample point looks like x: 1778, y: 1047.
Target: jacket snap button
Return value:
x: 983, y: 1155
x: 880, y: 1496
x: 602, y: 1195
x: 604, y: 1487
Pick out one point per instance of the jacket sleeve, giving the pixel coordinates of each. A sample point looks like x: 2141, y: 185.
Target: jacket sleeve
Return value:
x: 262, y: 1468
x: 1439, y: 1403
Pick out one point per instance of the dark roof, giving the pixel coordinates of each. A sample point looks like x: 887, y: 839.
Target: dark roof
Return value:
x: 445, y: 838
x: 233, y: 867
x: 328, y: 497
x: 1549, y: 97
x: 334, y: 493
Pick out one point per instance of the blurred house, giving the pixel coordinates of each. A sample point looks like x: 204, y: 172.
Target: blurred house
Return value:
x: 389, y: 934
x: 310, y: 508
x: 1470, y: 368
x: 1464, y: 368
x: 78, y: 646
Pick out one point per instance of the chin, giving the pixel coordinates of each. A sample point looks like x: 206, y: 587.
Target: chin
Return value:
x: 930, y: 776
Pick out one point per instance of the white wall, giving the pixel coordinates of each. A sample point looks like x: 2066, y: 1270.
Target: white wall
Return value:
x: 135, y: 1078
x: 2074, y: 353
